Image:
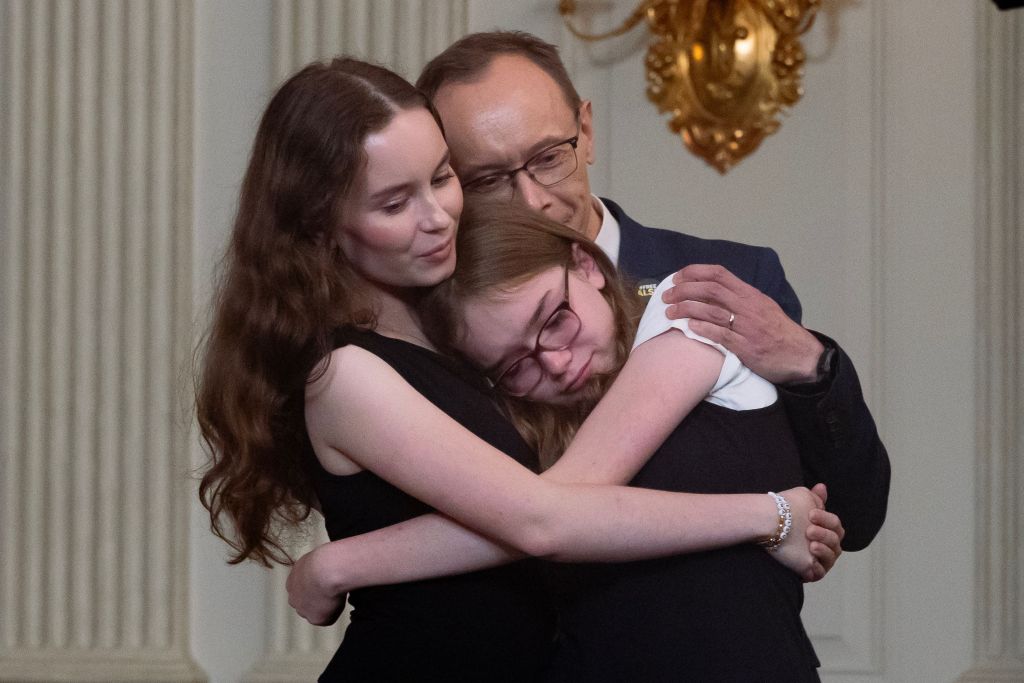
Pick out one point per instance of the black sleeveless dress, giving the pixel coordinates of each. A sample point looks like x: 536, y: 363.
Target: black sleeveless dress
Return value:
x: 724, y: 615
x: 492, y: 625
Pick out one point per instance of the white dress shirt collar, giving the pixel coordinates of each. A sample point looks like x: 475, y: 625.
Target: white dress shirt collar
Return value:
x: 609, y: 236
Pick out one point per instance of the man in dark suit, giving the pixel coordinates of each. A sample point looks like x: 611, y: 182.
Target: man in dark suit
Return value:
x: 510, y: 110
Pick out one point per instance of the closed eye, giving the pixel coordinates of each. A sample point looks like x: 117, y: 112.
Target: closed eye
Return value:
x: 488, y: 182
x: 443, y: 178
x: 547, y: 159
x: 395, y: 207
x: 513, y: 370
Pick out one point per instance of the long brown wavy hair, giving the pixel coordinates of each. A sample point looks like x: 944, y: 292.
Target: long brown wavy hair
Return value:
x: 283, y: 287
x: 500, y: 246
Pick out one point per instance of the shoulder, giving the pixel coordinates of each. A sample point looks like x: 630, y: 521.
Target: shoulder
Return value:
x: 655, y: 320
x: 345, y: 384
x: 649, y: 252
x: 348, y: 372
x: 354, y: 394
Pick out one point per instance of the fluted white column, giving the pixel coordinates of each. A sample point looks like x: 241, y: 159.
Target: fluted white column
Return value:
x: 999, y: 569
x: 96, y: 224
x: 403, y: 35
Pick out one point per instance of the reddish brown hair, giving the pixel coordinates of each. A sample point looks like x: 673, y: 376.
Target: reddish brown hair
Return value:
x: 283, y: 287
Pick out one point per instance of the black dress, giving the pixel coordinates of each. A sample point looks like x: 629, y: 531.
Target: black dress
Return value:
x: 492, y: 625
x: 724, y: 615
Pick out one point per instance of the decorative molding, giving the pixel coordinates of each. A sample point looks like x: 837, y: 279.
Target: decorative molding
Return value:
x: 97, y: 172
x: 100, y: 666
x: 401, y: 34
x: 999, y: 392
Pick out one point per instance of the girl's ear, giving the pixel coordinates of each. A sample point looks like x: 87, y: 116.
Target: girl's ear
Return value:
x: 587, y: 267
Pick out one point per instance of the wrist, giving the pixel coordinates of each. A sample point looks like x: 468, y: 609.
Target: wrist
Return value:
x: 783, y: 523
x: 765, y: 517
x: 330, y: 568
x: 816, y: 366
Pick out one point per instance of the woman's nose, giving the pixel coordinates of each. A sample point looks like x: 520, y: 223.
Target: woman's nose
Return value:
x: 435, y: 217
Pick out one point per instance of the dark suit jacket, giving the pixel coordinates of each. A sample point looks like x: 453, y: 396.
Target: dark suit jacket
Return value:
x: 838, y: 441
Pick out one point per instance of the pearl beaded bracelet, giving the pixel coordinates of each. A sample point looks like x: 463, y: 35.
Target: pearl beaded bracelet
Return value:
x: 773, y: 542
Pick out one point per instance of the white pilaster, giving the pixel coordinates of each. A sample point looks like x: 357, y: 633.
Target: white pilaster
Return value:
x: 999, y: 427
x: 96, y: 166
x: 401, y: 34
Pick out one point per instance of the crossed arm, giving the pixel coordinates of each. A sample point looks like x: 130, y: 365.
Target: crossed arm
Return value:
x: 494, y: 511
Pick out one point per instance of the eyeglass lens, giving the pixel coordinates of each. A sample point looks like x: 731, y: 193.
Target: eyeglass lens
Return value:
x: 549, y: 167
x: 559, y: 331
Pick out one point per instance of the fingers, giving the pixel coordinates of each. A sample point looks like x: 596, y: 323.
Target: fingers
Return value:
x: 825, y: 540
x: 821, y: 491
x: 824, y: 554
x: 829, y: 521
x: 316, y: 608
x: 318, y: 617
x: 328, y: 619
x: 710, y: 292
x: 700, y: 311
x: 708, y: 272
x: 712, y: 284
x: 827, y: 537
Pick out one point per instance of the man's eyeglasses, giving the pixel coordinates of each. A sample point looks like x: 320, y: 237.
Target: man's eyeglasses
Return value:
x: 557, y: 332
x: 548, y: 167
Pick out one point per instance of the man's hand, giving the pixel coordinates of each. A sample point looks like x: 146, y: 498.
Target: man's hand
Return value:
x: 825, y: 535
x: 727, y: 310
x: 310, y: 593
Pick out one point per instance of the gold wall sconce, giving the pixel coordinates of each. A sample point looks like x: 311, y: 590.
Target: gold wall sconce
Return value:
x: 722, y: 69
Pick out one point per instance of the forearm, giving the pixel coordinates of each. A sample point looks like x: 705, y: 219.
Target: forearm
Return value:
x: 425, y: 547
x: 839, y: 445
x: 663, y: 379
x: 432, y: 546
x: 636, y: 524
x: 446, y: 466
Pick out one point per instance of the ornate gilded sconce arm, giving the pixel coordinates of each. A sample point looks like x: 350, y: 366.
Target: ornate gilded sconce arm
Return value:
x: 722, y: 69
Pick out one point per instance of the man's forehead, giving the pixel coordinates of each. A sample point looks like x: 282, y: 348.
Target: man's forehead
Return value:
x: 497, y: 119
x: 509, y: 82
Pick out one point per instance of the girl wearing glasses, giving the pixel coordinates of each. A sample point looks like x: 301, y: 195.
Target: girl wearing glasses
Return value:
x: 319, y: 388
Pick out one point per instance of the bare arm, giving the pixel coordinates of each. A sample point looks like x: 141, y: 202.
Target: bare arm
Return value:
x: 437, y: 461
x: 607, y: 449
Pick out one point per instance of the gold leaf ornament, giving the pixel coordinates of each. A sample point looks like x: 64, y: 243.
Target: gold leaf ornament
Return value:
x: 722, y: 69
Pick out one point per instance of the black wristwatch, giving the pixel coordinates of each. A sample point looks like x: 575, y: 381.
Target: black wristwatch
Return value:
x: 823, y: 370
x: 825, y: 361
